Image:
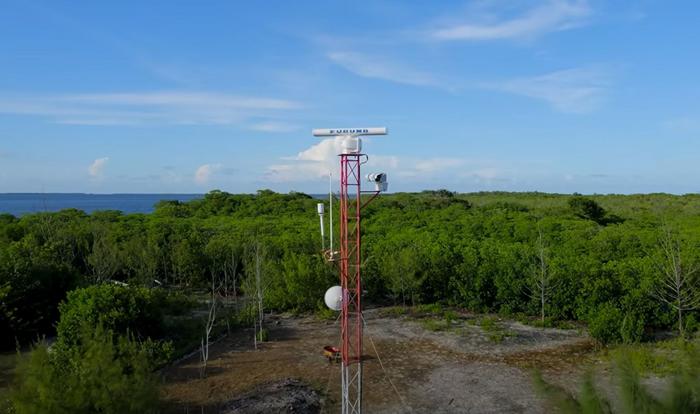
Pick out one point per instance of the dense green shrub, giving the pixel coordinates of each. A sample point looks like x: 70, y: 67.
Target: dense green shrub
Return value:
x: 692, y: 325
x: 147, y: 314
x: 604, y: 324
x: 106, y: 373
x: 117, y: 308
x: 32, y: 284
x: 586, y: 208
x: 632, y: 328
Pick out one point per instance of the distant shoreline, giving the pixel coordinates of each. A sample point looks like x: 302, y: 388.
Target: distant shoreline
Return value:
x: 19, y: 204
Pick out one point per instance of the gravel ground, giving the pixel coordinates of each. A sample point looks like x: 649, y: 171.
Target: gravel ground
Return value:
x: 407, y: 368
x: 286, y: 396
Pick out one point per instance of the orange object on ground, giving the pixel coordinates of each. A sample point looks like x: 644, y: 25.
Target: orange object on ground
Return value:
x: 332, y: 353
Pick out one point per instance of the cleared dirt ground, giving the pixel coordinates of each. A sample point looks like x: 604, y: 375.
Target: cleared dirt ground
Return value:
x: 461, y: 369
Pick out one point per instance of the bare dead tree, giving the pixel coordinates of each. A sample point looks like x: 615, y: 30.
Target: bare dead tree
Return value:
x: 259, y: 293
x: 679, y: 286
x: 542, y: 283
x: 254, y: 286
x: 209, y: 325
x: 230, y: 266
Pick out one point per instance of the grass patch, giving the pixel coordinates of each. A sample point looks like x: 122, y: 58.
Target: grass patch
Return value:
x: 499, y: 336
x: 450, y: 316
x: 435, y: 325
x: 494, y: 330
x: 395, y: 311
x: 430, y: 308
x: 436, y: 318
x: 488, y: 324
x: 326, y: 314
x: 548, y: 322
x: 263, y: 335
x: 565, y: 325
x: 657, y: 358
x: 8, y: 360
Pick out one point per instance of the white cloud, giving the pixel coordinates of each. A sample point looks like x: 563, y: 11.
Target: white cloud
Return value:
x: 311, y: 164
x: 377, y: 68
x: 552, y: 16
x: 488, y: 173
x: 97, y: 167
x: 183, y: 99
x: 165, y: 107
x: 325, y: 151
x: 574, y: 90
x: 204, y: 173
x: 314, y: 164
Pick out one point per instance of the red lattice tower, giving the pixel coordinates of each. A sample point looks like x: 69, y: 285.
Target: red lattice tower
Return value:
x: 349, y: 258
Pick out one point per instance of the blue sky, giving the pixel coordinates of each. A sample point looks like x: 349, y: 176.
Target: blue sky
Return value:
x: 174, y: 96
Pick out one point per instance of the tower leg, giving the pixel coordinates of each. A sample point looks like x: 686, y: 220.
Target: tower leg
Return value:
x: 351, y: 283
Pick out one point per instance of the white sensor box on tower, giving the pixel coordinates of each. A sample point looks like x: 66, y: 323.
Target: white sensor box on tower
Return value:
x: 352, y: 145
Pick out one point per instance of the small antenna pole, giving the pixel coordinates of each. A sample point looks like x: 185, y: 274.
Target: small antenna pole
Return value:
x: 330, y: 205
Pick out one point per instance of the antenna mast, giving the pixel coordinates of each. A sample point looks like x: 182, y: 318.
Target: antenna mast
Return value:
x: 330, y: 208
x: 349, y: 258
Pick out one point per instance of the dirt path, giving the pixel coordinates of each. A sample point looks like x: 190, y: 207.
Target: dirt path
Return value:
x: 460, y: 370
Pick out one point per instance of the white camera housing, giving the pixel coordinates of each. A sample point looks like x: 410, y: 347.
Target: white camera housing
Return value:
x: 379, y: 180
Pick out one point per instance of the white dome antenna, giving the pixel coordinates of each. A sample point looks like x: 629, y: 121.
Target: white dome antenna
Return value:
x: 334, y: 298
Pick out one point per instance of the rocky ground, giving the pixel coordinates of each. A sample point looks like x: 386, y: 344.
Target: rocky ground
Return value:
x: 411, y: 366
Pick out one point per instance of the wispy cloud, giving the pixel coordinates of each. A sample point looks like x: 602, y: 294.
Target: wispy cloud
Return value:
x: 204, y: 173
x: 432, y: 165
x: 274, y: 127
x: 552, y: 16
x: 575, y: 90
x: 145, y: 108
x: 381, y: 68
x: 97, y: 167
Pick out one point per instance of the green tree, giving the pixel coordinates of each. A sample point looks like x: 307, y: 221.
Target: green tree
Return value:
x: 401, y: 272
x: 105, y: 259
x: 107, y: 373
x: 587, y: 209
